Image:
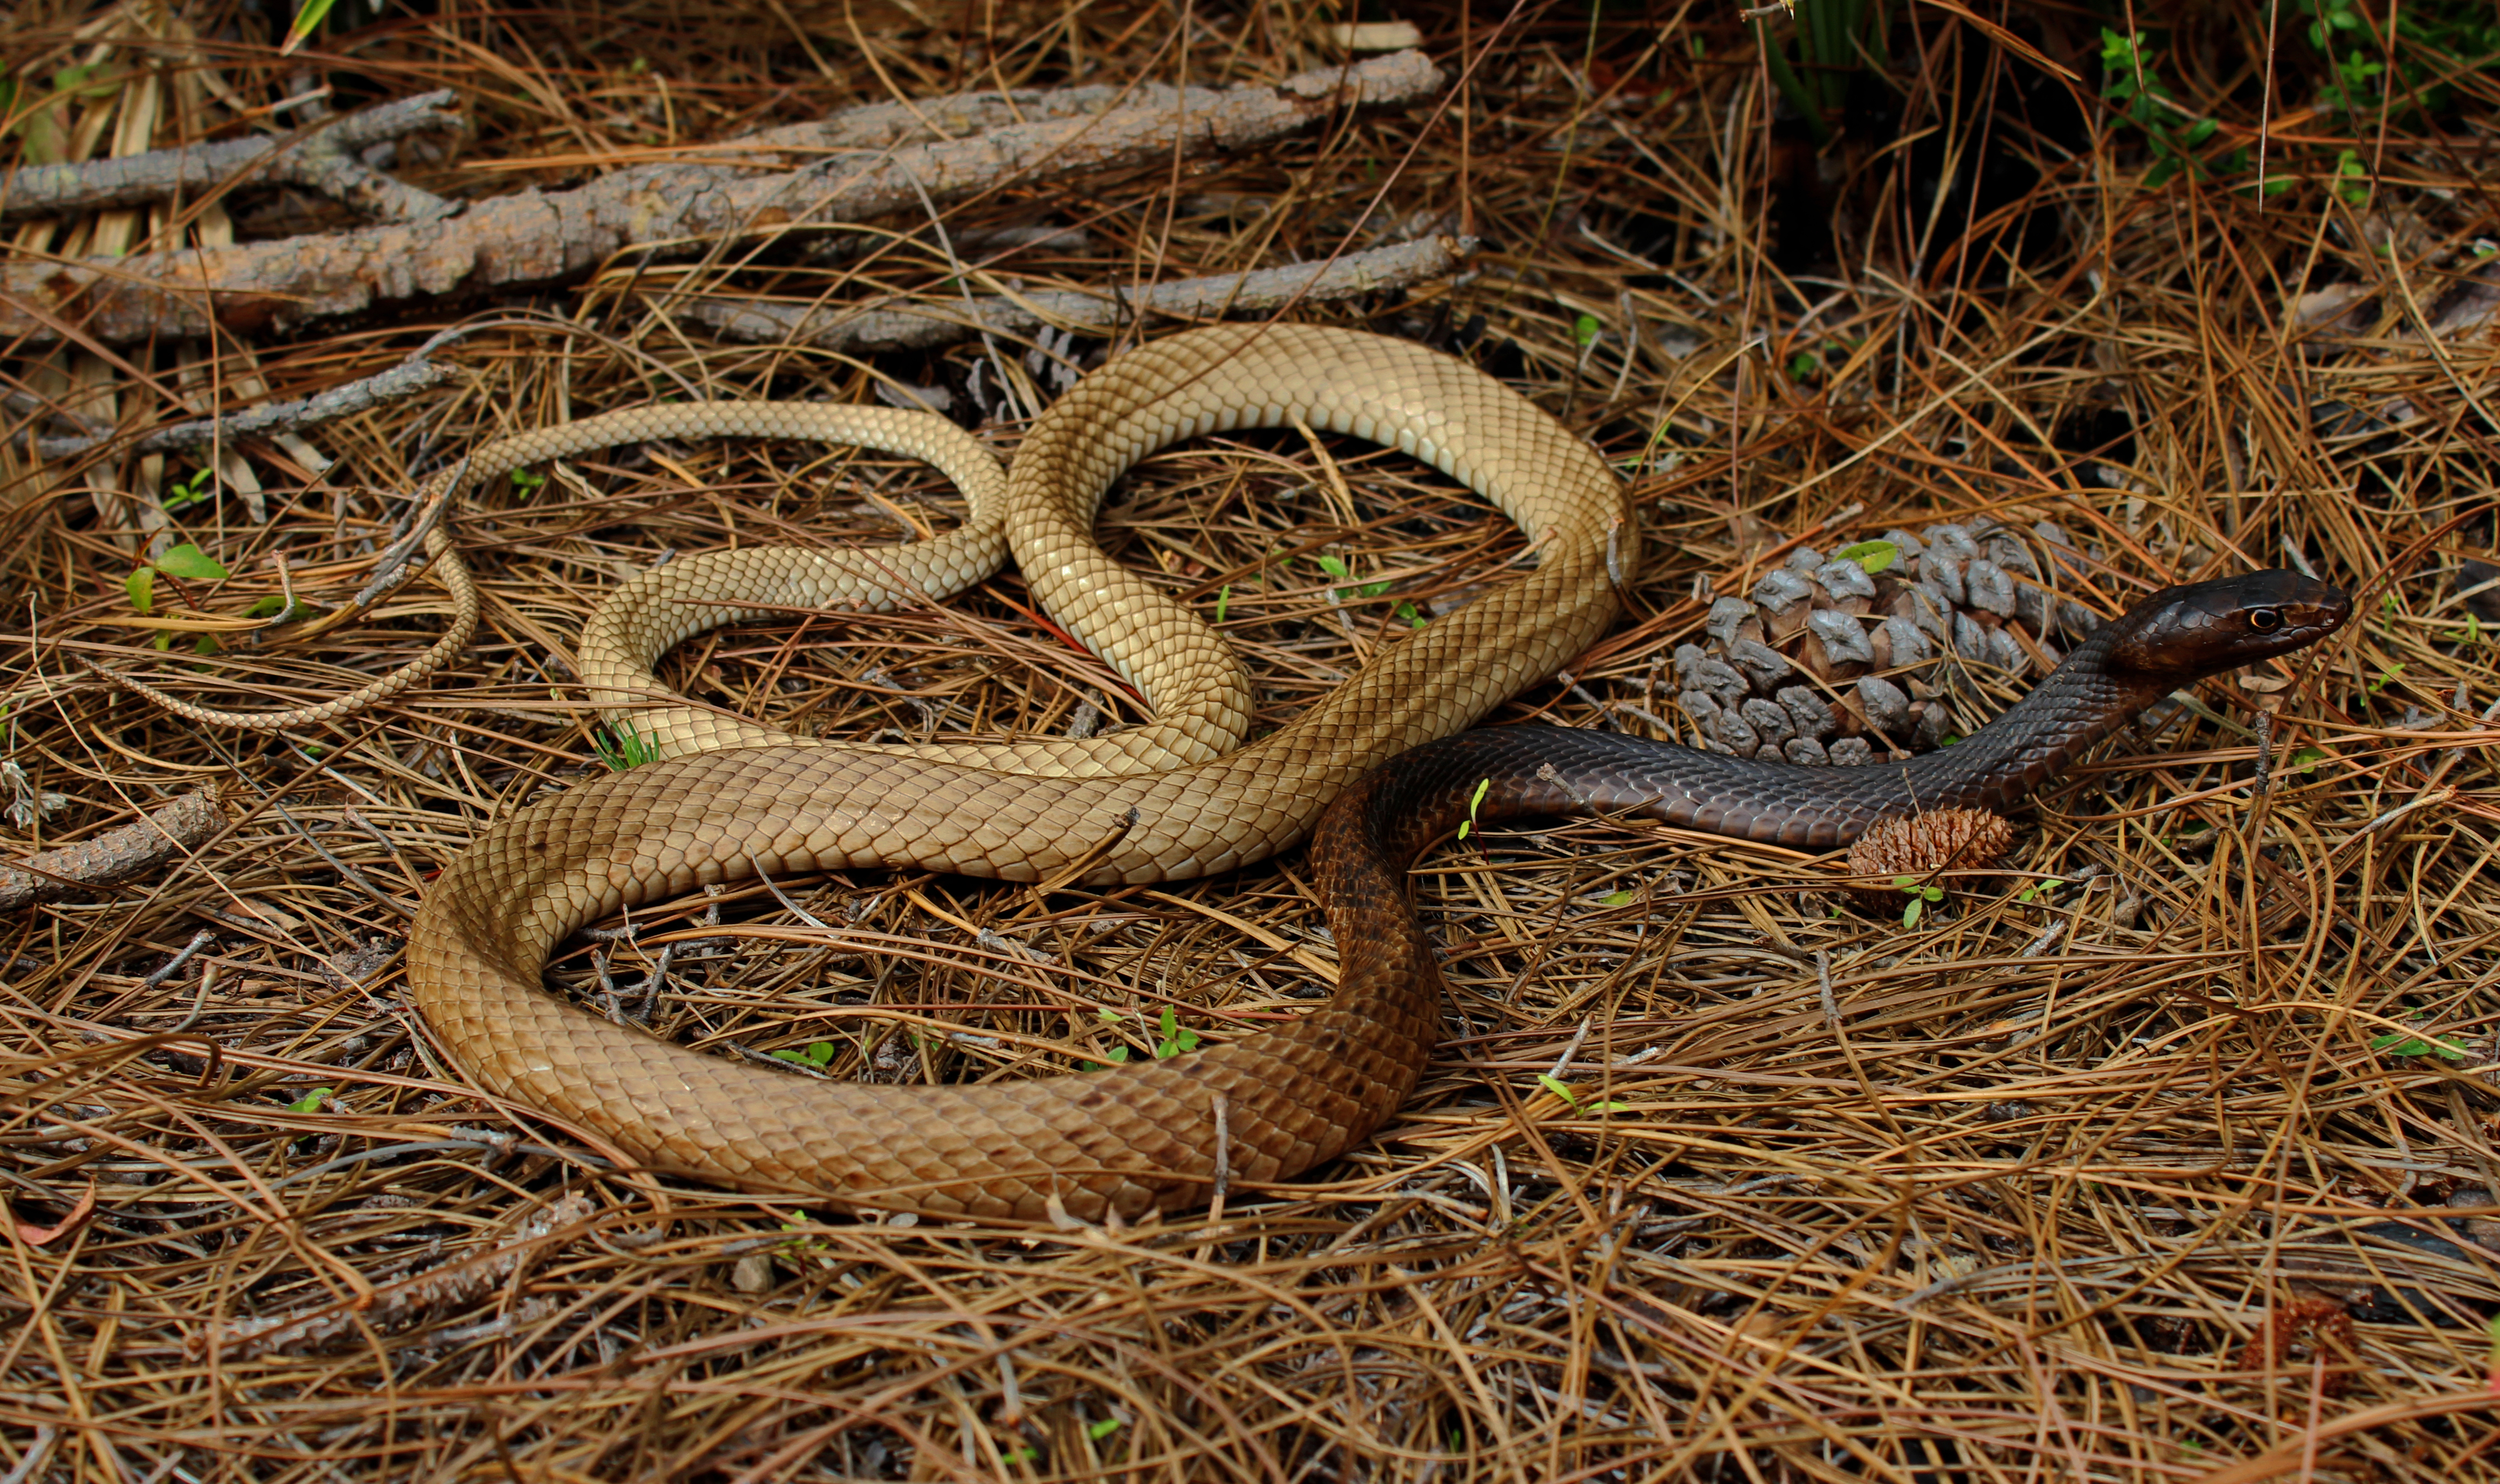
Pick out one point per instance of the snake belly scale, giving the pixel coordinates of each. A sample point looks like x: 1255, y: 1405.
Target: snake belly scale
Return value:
x: 1133, y: 1137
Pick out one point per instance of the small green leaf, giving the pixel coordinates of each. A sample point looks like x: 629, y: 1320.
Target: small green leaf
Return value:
x: 1335, y: 566
x: 1406, y: 611
x: 310, y: 1103
x: 1911, y: 913
x: 274, y: 607
x: 190, y: 561
x: 1617, y: 898
x: 308, y: 19
x: 2400, y: 1044
x: 528, y: 482
x: 1584, y: 329
x: 1223, y: 600
x: 1021, y: 1453
x: 1098, y: 1431
x: 140, y: 584
x: 1556, y: 1087
x: 1870, y: 556
x: 1953, y: 739
x: 2307, y: 760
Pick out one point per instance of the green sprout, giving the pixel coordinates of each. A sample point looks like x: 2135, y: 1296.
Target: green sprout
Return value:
x: 1174, y: 1040
x: 2040, y: 890
x: 1223, y: 600
x: 805, y: 1242
x: 1338, y: 568
x: 1562, y: 1089
x: 1475, y: 800
x: 1098, y: 1431
x: 621, y: 749
x: 309, y: 1103
x: 1584, y: 329
x: 2405, y: 1044
x: 816, y: 1053
x: 528, y: 482
x: 274, y: 607
x: 2129, y: 82
x: 187, y: 493
x: 185, y: 561
x: 1921, y: 897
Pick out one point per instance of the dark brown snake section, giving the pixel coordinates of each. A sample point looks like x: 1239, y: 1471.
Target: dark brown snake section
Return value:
x: 1379, y: 1029
x: 1268, y: 1105
x: 1375, y: 830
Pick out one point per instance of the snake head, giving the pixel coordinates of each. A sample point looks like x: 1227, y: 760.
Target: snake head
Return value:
x: 2205, y: 628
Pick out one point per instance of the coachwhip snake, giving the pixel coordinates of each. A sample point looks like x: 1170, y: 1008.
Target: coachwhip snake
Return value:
x: 1265, y: 1107
x: 1141, y: 1137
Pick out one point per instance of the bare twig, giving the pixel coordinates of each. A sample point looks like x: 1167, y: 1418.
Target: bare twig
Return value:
x: 450, y: 1283
x: 322, y: 158
x: 1258, y: 292
x: 405, y: 379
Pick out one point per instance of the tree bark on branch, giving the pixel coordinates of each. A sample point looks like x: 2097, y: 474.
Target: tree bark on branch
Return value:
x: 539, y: 237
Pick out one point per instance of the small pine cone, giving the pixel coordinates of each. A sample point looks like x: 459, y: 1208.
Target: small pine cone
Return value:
x: 1830, y: 628
x: 1921, y: 845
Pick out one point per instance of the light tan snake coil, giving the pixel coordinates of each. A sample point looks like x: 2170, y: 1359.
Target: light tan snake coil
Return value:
x: 1123, y: 1140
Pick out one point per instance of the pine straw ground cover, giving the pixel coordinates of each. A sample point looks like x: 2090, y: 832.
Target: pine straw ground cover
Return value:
x: 1717, y: 1175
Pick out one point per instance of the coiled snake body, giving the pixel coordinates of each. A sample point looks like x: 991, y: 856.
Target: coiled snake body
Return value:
x: 1115, y: 1142
x: 1139, y: 1137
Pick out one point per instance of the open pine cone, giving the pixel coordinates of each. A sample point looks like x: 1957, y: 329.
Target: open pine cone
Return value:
x: 1826, y: 662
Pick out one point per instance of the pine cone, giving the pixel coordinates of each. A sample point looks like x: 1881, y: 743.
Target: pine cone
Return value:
x: 1892, y: 644
x: 1921, y: 845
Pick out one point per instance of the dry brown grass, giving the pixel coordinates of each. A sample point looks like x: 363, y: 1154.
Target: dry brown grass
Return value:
x: 2124, y: 1184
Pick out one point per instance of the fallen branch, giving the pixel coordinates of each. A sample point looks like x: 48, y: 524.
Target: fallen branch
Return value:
x: 115, y: 856
x: 1258, y: 292
x: 534, y: 238
x: 455, y: 1282
x: 322, y: 158
x: 405, y: 379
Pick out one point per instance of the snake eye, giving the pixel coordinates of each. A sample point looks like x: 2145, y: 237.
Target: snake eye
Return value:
x: 2266, y: 620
